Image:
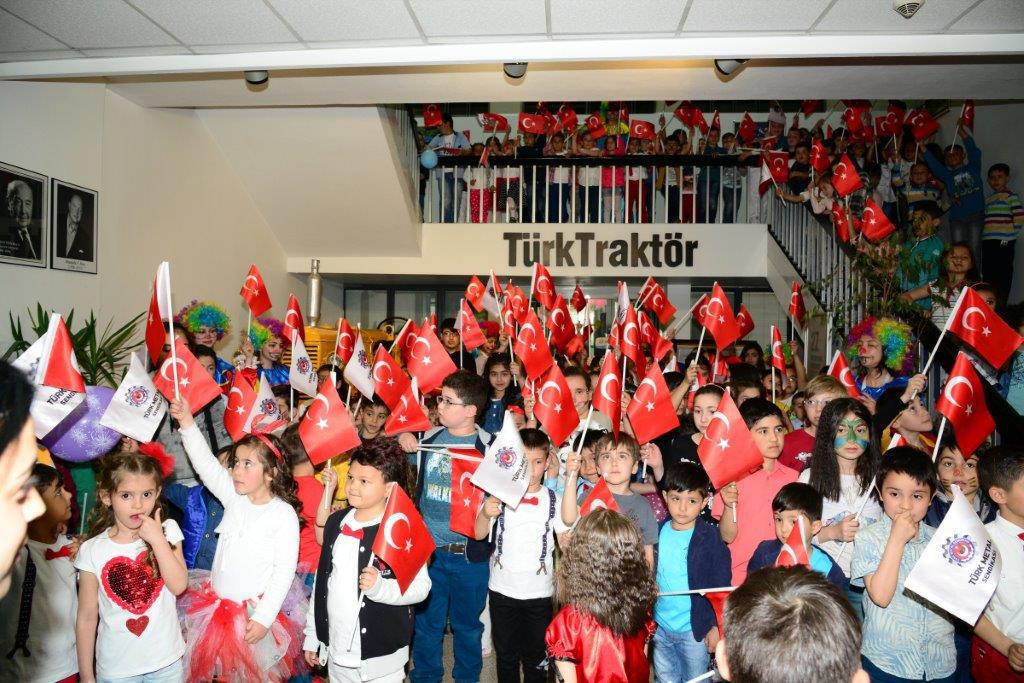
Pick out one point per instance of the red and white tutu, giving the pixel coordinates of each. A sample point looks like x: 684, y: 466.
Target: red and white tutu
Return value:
x: 215, y: 636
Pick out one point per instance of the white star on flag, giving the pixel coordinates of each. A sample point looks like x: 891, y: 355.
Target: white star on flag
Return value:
x: 321, y: 423
x: 183, y: 381
x: 650, y: 406
x: 985, y: 331
x: 723, y: 444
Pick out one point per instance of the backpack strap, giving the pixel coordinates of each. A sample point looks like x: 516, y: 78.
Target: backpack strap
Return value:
x: 28, y: 587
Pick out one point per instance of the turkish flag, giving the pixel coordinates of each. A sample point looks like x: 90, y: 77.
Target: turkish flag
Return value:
x: 629, y: 341
x: 623, y: 112
x: 747, y: 130
x: 965, y: 408
x: 58, y: 367
x: 327, y: 430
x: 431, y: 115
x: 698, y: 120
x: 845, y: 178
x: 979, y: 326
x: 719, y: 319
x: 651, y: 411
x: 728, y: 451
x: 531, y: 348
x: 875, y: 225
x: 159, y: 312
x: 647, y: 329
x: 595, y: 126
x: 254, y: 291
x: 646, y: 290
x: 293, y: 321
x: 608, y: 393
x: 532, y: 123
x: 466, y: 498
x: 899, y: 110
x: 778, y: 165
x: 542, y: 287
x: 403, y: 541
x: 684, y: 112
x: 560, y: 324
x: 808, y: 107
x: 346, y: 342
x: 555, y: 409
x: 519, y: 303
x: 842, y: 220
x: 241, y: 399
x: 745, y: 321
x: 700, y: 309
x: 431, y: 322
x: 389, y: 381
x: 472, y: 336
x: 717, y: 600
x: 853, y: 119
x: 475, y: 293
x: 797, y: 311
x: 599, y: 497
x: 407, y: 415
x: 778, y: 357
x: 508, y: 319
x: 579, y: 299
x: 194, y: 383
x: 887, y: 125
x: 839, y: 369
x: 967, y: 115
x: 641, y: 130
x: 492, y: 122
x: 575, y: 345
x: 922, y: 124
x: 567, y: 117
x: 403, y: 342
x: 659, y: 304
x: 795, y: 551
x: 428, y: 362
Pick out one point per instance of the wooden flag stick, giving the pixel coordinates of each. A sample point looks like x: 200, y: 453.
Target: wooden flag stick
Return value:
x: 938, y: 439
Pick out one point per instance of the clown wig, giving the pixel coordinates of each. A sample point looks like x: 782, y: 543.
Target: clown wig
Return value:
x: 263, y: 329
x: 204, y: 314
x: 894, y: 337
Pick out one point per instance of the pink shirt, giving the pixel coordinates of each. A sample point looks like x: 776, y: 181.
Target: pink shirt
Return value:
x: 754, y: 513
x: 797, y: 449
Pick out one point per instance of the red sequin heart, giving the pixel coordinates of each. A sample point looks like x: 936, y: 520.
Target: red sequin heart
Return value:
x: 130, y: 584
x: 137, y: 626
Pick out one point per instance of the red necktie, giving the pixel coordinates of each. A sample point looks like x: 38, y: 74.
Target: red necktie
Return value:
x: 530, y: 501
x: 354, y: 533
x: 65, y: 551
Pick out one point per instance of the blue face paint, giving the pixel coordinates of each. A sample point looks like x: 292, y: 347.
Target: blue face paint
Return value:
x: 851, y: 435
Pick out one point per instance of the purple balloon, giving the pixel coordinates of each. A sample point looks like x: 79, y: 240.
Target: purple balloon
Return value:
x: 81, y: 437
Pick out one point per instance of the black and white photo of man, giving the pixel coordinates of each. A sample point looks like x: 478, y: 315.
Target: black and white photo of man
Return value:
x: 22, y: 239
x: 73, y: 234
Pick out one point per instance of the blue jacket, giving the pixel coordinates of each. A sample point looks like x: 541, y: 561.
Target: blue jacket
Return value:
x: 939, y: 506
x: 708, y: 565
x: 201, y: 513
x: 963, y: 183
x: 768, y: 551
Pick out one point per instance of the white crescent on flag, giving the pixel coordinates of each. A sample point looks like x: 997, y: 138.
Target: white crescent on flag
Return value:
x: 389, y: 527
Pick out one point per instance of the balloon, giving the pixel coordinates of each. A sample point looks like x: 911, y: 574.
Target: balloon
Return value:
x: 81, y: 437
x: 428, y: 159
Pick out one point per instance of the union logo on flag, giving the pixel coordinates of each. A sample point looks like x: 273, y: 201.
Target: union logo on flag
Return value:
x: 303, y: 365
x: 137, y: 396
x: 361, y: 358
x: 268, y: 406
x: 958, y: 550
x: 505, y: 457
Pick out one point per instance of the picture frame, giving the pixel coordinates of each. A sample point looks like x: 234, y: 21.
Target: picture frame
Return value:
x: 74, y: 227
x: 24, y: 234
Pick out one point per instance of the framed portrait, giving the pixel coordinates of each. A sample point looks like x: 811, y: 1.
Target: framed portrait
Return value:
x: 74, y: 227
x: 24, y: 239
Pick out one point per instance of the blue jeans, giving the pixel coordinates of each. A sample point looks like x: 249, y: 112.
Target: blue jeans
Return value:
x: 586, y: 204
x: 855, y: 594
x: 446, y: 196
x: 730, y: 204
x: 879, y: 676
x: 559, y: 200
x: 172, y: 673
x: 678, y: 657
x: 458, y: 593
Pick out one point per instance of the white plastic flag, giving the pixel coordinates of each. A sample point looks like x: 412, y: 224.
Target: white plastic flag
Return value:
x: 265, y: 410
x: 504, y: 471
x: 302, y: 374
x: 50, y: 405
x: 137, y: 408
x: 960, y: 567
x: 359, y: 370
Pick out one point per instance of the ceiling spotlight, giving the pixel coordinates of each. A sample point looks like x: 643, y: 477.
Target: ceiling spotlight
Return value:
x: 257, y: 77
x: 515, y: 70
x: 728, y: 67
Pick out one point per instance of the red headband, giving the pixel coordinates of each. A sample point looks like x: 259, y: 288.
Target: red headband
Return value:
x: 269, y: 444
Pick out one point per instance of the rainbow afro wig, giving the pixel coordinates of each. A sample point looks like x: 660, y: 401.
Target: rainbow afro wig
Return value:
x: 894, y: 337
x: 204, y: 314
x: 263, y: 329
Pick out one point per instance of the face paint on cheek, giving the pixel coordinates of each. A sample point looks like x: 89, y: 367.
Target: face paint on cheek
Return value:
x: 851, y: 435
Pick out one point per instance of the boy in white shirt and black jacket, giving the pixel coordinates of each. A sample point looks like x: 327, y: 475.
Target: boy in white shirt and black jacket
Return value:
x: 350, y: 594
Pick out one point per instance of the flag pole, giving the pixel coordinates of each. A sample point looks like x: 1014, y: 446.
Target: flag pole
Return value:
x: 330, y: 466
x: 703, y: 677
x: 85, y: 506
x: 170, y: 330
x: 462, y: 302
x: 337, y: 340
x: 391, y: 348
x: 938, y: 439
x: 773, y: 384
x: 945, y: 328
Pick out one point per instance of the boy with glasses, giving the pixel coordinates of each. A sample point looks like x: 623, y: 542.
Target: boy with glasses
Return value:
x: 796, y: 452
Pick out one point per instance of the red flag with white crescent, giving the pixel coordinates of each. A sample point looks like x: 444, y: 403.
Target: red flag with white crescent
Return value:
x: 728, y: 451
x: 962, y: 402
x: 403, y: 541
x: 599, y: 497
x: 327, y: 430
x: 608, y: 392
x: 651, y: 411
x: 554, y: 408
x: 983, y: 329
x: 466, y: 497
x: 293, y: 321
x: 255, y: 293
x: 195, y: 384
x: 839, y: 369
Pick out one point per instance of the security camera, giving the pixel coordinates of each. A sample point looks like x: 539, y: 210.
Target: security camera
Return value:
x: 907, y: 8
x: 727, y: 67
x: 257, y: 77
x: 515, y: 70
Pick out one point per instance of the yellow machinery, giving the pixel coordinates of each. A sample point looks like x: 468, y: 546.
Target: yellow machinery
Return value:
x: 320, y: 343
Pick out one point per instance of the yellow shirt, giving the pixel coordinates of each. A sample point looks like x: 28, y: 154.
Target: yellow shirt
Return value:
x: 341, y: 468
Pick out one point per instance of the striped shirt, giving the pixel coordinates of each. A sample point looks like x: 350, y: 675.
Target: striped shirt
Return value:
x: 1004, y: 216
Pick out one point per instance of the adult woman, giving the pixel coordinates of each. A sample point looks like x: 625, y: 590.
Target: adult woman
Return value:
x: 208, y: 324
x: 263, y: 348
x: 881, y: 350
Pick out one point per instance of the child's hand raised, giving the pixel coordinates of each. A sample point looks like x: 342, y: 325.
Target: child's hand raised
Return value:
x: 492, y: 507
x: 182, y: 412
x: 652, y: 454
x: 529, y: 401
x: 408, y: 442
x: 368, y: 578
x: 152, y: 529
x: 74, y: 545
x: 330, y: 480
x: 311, y: 658
x: 847, y: 528
x: 572, y: 463
x: 730, y: 494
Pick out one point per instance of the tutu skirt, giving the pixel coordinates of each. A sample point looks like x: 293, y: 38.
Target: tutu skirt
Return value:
x: 215, y: 636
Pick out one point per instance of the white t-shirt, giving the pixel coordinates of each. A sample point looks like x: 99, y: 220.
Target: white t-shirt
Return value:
x: 514, y: 574
x: 589, y: 176
x: 1006, y: 609
x: 51, y: 629
x: 834, y: 511
x: 139, y: 631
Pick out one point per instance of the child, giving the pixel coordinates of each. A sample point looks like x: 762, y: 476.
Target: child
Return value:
x: 919, y: 189
x: 751, y: 497
x: 131, y: 567
x: 1004, y: 218
x: 263, y: 348
x: 637, y: 199
x: 498, y: 373
x: 691, y: 555
x: 797, y: 413
x: 608, y: 592
x: 612, y: 183
x: 998, y: 647
x: 201, y: 514
x: 953, y: 468
x: 451, y: 340
x: 745, y: 389
x: 792, y: 502
x: 522, y: 571
x: 310, y: 493
x: 919, y: 264
x: 789, y: 624
x: 235, y: 621
x: 589, y: 474
x: 882, y: 351
x: 961, y: 176
x: 37, y: 617
x: 372, y: 416
x: 384, y: 618
x: 476, y: 178
x: 458, y: 569
x: 617, y: 460
x: 683, y: 448
x: 904, y: 639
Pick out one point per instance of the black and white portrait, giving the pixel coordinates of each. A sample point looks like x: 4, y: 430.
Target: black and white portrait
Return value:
x: 73, y: 231
x: 23, y: 239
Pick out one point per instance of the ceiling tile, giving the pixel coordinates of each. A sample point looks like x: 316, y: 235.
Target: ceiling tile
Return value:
x: 878, y: 16
x: 613, y: 16
x: 37, y: 56
x: 21, y: 36
x: 245, y: 47
x: 480, y: 18
x: 993, y: 15
x: 338, y: 20
x: 90, y: 23
x: 217, y: 22
x: 455, y: 40
x: 753, y: 15
x: 137, y: 51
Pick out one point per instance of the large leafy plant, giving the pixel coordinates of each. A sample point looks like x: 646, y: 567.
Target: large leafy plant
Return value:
x: 102, y: 354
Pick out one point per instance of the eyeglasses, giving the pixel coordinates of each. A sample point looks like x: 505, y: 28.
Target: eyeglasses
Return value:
x: 815, y: 402
x: 444, y: 400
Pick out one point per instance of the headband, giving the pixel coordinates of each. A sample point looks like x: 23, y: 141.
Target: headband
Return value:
x: 269, y: 444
